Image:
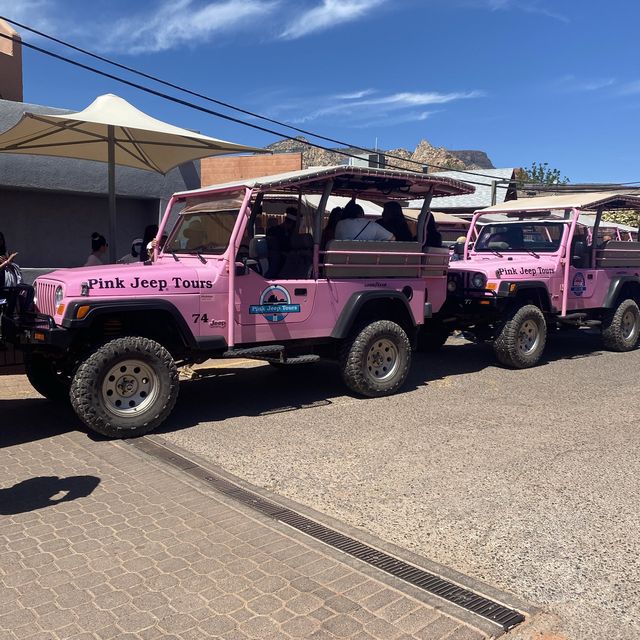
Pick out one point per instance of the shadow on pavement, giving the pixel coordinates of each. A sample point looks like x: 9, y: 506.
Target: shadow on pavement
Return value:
x: 459, y: 356
x: 264, y: 390
x: 44, y: 491
x: 34, y: 419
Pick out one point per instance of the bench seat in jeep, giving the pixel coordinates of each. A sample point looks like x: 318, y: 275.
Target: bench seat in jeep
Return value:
x: 618, y: 254
x: 379, y: 261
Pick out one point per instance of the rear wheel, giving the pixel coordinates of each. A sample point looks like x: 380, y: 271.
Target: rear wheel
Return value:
x: 520, y: 342
x: 47, y: 377
x: 126, y: 388
x: 375, y: 360
x: 621, y: 327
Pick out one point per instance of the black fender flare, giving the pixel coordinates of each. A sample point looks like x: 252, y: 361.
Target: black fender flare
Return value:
x: 356, y: 303
x: 504, y: 290
x: 99, y: 308
x: 615, y: 287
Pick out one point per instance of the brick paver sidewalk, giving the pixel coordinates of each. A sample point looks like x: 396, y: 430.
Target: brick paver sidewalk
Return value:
x: 97, y: 540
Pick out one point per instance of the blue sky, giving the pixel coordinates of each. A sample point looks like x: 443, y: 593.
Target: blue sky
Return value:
x: 552, y: 81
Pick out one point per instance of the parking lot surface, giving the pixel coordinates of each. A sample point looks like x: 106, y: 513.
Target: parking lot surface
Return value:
x: 527, y: 480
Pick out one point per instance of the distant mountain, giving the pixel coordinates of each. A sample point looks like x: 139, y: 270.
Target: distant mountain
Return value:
x: 437, y: 158
x: 473, y: 159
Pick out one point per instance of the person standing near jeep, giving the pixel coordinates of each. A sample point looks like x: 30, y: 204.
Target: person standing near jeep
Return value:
x: 10, y: 274
x: 99, y: 248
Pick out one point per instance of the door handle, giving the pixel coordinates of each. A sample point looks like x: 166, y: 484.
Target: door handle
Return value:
x: 299, y: 292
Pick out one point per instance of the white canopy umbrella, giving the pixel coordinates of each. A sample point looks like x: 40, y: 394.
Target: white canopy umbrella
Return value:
x: 112, y: 130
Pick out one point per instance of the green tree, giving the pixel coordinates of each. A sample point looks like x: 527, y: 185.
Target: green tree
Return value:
x: 624, y: 216
x: 541, y: 173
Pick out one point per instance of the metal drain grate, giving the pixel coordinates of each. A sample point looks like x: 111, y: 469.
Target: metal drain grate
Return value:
x: 494, y: 611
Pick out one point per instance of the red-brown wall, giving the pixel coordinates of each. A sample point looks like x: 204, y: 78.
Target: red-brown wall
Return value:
x: 10, y: 65
x: 220, y: 170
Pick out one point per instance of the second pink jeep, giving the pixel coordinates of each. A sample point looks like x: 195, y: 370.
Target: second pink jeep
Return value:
x: 532, y: 267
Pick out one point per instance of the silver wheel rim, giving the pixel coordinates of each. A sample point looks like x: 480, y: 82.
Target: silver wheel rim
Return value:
x: 629, y: 325
x: 382, y: 360
x: 130, y: 388
x: 528, y: 337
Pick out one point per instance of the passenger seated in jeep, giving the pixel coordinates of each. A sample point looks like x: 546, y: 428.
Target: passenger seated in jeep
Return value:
x: 508, y: 238
x: 394, y: 222
x: 354, y: 226
x: 284, y: 231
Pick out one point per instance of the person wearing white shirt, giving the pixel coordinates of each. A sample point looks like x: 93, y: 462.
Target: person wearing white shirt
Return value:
x: 354, y: 226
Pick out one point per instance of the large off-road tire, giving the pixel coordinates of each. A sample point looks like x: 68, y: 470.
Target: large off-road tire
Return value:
x: 376, y: 358
x: 47, y: 377
x: 126, y: 388
x: 521, y: 340
x: 621, y: 327
x: 431, y: 336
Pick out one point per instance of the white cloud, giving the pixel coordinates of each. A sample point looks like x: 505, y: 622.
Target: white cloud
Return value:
x: 179, y: 22
x: 528, y: 6
x: 328, y: 14
x: 369, y: 107
x: 33, y: 13
x: 571, y: 83
x: 355, y: 95
x: 417, y: 116
x: 400, y: 100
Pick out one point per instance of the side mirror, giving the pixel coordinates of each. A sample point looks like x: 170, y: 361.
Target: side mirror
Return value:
x: 458, y: 248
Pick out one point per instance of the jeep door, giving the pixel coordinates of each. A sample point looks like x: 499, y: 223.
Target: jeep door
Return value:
x: 265, y: 307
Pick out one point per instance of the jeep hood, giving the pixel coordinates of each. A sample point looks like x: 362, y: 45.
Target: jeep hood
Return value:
x: 521, y: 266
x: 137, y: 279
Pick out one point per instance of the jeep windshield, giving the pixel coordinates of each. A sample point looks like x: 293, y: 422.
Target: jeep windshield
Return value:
x: 528, y: 237
x: 204, y: 225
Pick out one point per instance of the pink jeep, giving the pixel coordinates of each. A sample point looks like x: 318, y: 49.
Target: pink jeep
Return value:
x: 533, y: 267
x: 111, y: 338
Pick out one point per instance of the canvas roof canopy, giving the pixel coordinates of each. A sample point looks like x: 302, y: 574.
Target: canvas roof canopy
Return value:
x: 362, y: 182
x: 583, y: 201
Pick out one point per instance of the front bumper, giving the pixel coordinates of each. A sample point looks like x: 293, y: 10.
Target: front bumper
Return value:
x: 476, y: 306
x: 34, y: 330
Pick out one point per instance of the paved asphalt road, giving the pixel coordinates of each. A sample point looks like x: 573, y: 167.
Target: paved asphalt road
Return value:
x: 527, y: 480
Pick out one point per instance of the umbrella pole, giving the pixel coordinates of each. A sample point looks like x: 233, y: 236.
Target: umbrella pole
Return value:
x: 111, y: 158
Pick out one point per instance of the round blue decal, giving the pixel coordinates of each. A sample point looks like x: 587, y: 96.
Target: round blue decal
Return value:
x: 579, y: 285
x: 275, y: 304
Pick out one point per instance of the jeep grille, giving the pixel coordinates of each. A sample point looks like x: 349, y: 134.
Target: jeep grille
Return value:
x: 45, y: 297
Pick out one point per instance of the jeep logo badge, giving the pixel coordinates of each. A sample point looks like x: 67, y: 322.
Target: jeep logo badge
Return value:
x: 275, y: 304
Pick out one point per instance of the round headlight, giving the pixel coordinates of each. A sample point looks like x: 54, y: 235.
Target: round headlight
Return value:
x: 478, y: 280
x: 59, y: 294
x: 452, y: 285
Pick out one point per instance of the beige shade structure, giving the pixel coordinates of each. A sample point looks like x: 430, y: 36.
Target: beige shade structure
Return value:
x: 113, y: 131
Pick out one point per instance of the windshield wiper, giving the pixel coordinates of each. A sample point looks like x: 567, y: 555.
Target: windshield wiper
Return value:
x: 533, y: 253
x: 202, y: 258
x: 175, y: 257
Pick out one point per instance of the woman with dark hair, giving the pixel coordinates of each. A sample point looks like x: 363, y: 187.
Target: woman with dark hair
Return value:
x: 10, y: 274
x: 329, y: 232
x: 393, y: 220
x: 98, y: 250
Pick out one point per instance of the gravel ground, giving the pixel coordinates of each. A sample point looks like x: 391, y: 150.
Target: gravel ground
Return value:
x: 527, y: 480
